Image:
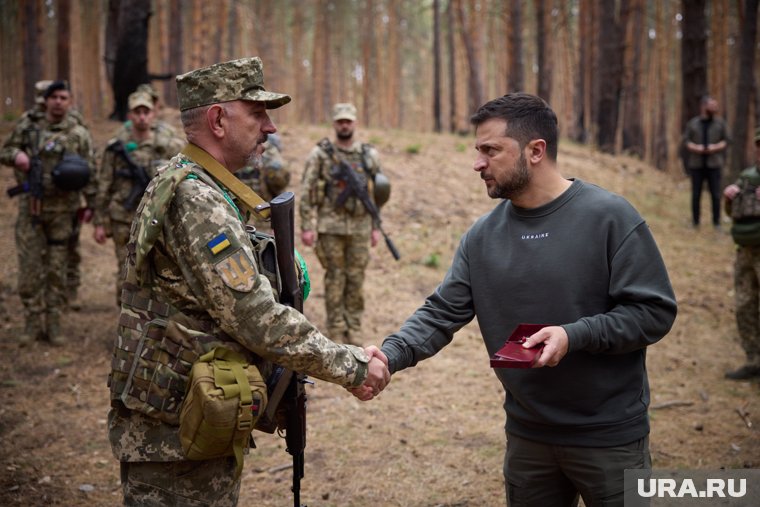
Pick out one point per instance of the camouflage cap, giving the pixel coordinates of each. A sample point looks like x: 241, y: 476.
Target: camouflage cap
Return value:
x: 241, y: 79
x: 40, y: 87
x: 139, y: 98
x: 344, y: 111
x: 147, y: 88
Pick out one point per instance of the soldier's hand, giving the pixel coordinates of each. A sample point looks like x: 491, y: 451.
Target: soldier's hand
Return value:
x: 21, y: 161
x: 374, y: 238
x: 100, y: 234
x: 555, y: 343
x: 378, y: 375
x: 731, y: 191
x: 308, y: 237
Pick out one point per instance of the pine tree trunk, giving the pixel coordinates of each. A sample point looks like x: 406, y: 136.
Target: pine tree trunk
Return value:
x: 609, y: 69
x: 515, y: 77
x: 32, y: 49
x: 738, y: 158
x: 544, y: 53
x: 693, y: 58
x: 437, y: 124
x: 451, y: 47
x: 633, y: 139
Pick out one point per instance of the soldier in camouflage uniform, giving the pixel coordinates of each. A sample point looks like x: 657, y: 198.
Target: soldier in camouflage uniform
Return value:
x: 342, y: 234
x: 44, y: 229
x: 268, y: 176
x: 158, y: 123
x: 743, y: 205
x: 119, y: 187
x: 73, y: 269
x: 192, y: 283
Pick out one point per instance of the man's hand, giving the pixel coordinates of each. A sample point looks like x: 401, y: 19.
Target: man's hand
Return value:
x: 374, y: 238
x: 308, y: 237
x: 100, y: 234
x: 555, y: 343
x: 85, y: 215
x: 378, y: 375
x: 21, y: 161
x: 732, y: 191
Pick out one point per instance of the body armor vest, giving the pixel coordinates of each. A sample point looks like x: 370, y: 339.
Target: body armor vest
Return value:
x: 157, y: 344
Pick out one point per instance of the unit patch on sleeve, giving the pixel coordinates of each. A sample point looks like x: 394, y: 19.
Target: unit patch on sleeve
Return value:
x: 237, y: 271
x: 218, y: 244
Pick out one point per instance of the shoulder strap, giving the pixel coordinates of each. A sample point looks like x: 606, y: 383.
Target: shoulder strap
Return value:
x: 250, y: 198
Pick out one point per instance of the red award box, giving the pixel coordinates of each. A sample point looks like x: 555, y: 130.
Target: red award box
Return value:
x: 513, y: 354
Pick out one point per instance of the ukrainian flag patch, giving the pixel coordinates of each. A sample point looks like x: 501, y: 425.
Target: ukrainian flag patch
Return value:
x: 218, y: 244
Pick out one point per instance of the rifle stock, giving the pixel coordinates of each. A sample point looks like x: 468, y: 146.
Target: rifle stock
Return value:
x: 294, y: 400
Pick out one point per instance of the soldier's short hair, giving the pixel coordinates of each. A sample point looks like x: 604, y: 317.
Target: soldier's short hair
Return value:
x: 56, y: 86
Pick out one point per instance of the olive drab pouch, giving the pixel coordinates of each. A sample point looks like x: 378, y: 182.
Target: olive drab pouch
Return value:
x: 225, y: 397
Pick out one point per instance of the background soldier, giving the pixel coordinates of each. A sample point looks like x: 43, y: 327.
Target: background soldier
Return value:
x: 129, y: 162
x: 73, y: 263
x: 268, y: 176
x: 57, y: 177
x: 344, y: 232
x: 192, y: 284
x: 743, y: 205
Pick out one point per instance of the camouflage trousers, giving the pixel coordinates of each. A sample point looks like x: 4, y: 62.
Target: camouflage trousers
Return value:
x: 747, y: 288
x: 42, y: 249
x: 180, y: 483
x: 345, y: 258
x: 120, y: 236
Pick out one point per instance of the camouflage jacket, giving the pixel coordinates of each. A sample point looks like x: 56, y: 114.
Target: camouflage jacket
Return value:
x: 114, y: 182
x: 320, y: 188
x: 744, y: 209
x: 189, y: 250
x: 66, y: 136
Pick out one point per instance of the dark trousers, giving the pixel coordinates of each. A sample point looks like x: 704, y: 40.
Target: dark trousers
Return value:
x: 555, y: 475
x: 698, y: 178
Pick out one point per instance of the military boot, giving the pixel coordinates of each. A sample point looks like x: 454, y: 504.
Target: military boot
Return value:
x: 53, y: 327
x: 32, y: 331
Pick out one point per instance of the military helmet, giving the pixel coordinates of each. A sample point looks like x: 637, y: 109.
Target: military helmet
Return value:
x: 382, y: 190
x: 72, y: 173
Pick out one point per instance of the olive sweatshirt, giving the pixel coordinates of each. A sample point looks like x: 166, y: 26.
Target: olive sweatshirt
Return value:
x: 586, y: 261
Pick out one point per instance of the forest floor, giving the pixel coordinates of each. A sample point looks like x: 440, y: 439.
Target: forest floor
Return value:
x: 435, y: 437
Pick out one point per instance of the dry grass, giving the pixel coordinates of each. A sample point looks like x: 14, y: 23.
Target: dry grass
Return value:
x: 435, y: 436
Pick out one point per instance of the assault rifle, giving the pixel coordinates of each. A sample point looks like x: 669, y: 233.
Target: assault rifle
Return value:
x: 33, y: 183
x: 134, y: 172
x: 293, y: 402
x: 357, y: 188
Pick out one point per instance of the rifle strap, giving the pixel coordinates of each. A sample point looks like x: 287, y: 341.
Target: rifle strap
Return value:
x: 251, y: 199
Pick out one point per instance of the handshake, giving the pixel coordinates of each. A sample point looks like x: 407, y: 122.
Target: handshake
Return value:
x: 378, y: 375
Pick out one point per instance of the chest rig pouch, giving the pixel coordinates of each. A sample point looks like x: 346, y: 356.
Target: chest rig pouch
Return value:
x: 746, y: 204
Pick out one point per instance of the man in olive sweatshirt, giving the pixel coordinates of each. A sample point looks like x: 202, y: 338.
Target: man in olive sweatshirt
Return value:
x: 581, y: 261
